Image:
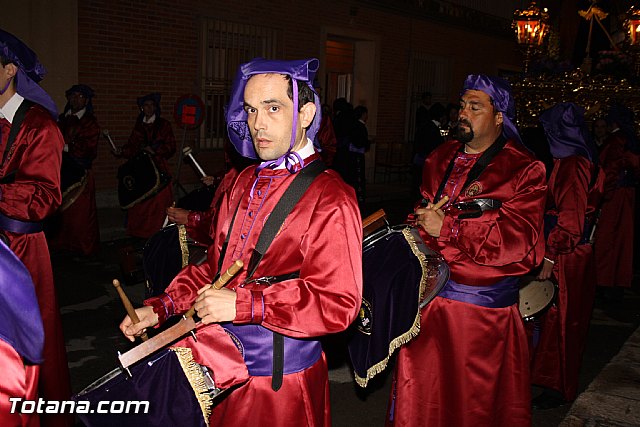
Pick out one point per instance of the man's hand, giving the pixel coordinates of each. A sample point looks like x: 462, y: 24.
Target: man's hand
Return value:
x: 147, y: 319
x: 431, y: 217
x: 215, y: 305
x: 208, y: 180
x: 546, y: 270
x: 178, y: 215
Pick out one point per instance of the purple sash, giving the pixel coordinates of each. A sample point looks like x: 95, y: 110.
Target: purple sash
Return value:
x: 17, y: 226
x: 501, y: 294
x: 255, y: 342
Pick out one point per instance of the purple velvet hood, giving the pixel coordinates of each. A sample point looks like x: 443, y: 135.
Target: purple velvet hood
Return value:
x: 499, y: 90
x: 566, y: 131
x: 30, y: 71
x: 20, y: 321
x: 301, y: 71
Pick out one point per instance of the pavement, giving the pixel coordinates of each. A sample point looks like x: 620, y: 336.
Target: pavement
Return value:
x: 91, y: 311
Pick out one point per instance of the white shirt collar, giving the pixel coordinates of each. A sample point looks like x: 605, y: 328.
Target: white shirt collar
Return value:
x: 78, y: 113
x: 10, y: 108
x: 304, y: 152
x: 149, y: 120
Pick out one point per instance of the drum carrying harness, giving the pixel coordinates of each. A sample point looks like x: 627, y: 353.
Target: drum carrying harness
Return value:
x: 276, y: 218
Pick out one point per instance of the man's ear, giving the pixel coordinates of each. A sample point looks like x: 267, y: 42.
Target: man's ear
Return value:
x: 11, y: 70
x: 499, y: 118
x: 307, y: 113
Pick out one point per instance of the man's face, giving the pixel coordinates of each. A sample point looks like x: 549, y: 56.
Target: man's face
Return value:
x: 600, y: 128
x: 270, y: 115
x: 477, y: 119
x: 77, y: 101
x: 149, y: 108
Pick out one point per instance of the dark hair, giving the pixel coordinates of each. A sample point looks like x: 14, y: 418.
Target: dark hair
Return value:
x: 4, y: 61
x: 359, y: 111
x: 305, y: 93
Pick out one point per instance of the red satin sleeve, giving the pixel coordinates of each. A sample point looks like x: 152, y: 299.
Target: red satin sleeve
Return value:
x: 568, y: 187
x: 168, y: 146
x: 20, y: 381
x: 36, y: 156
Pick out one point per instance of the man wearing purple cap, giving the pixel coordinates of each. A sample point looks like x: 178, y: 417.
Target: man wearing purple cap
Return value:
x: 469, y: 366
x: 312, y: 271
x: 575, y: 189
x: 29, y: 192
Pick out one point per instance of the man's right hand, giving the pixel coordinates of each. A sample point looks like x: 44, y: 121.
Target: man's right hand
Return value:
x: 178, y: 215
x: 148, y: 318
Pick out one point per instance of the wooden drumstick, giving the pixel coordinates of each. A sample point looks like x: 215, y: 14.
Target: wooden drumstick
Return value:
x: 222, y: 280
x: 440, y: 204
x: 128, y: 307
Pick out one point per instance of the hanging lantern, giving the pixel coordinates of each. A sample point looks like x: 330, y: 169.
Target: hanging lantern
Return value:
x: 530, y: 25
x: 633, y: 26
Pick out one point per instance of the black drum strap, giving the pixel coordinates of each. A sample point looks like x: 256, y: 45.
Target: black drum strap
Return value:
x: 18, y: 118
x: 477, y: 168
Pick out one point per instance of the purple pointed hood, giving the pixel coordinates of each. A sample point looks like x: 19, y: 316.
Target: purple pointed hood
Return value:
x: 301, y: 72
x: 566, y: 131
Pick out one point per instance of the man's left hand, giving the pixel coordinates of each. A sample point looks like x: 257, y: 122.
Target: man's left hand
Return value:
x: 215, y: 305
x: 430, y: 220
x: 546, y: 270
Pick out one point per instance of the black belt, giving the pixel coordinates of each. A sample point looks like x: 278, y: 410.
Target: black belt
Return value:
x: 474, y: 208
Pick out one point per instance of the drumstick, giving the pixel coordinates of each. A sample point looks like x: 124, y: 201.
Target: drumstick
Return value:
x: 105, y: 132
x: 187, y: 152
x: 128, y: 307
x: 222, y: 280
x: 440, y: 204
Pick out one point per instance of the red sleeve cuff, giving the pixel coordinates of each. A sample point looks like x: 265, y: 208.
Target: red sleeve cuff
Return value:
x: 162, y: 305
x: 249, y: 306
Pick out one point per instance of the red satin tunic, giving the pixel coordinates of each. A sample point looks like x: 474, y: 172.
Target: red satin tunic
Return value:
x: 563, y: 327
x: 469, y: 366
x: 147, y: 217
x: 614, y: 235
x: 34, y: 195
x: 322, y: 239
x: 79, y: 230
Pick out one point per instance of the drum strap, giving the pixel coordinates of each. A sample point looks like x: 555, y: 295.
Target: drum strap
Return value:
x: 477, y: 168
x: 21, y: 112
x: 285, y: 205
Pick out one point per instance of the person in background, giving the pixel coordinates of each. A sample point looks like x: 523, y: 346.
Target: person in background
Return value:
x: 614, y: 234
x: 77, y: 227
x: 599, y: 132
x: 575, y: 186
x: 469, y: 366
x: 358, y: 146
x: 153, y: 134
x: 30, y: 192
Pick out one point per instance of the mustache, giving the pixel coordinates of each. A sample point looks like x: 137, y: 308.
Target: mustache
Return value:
x: 465, y: 122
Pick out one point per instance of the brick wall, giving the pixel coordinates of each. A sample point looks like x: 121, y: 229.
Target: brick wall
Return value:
x: 130, y: 48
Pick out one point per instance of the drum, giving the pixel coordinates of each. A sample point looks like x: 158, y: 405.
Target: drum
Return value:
x: 166, y: 389
x: 535, y: 296
x: 138, y: 179
x: 73, y: 180
x: 401, y: 275
x: 165, y: 254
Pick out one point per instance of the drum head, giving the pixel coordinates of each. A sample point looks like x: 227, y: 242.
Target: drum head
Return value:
x: 535, y: 296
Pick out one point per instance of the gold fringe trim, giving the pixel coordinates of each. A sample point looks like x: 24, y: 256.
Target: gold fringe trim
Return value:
x: 414, y: 330
x: 184, y: 247
x: 194, y: 374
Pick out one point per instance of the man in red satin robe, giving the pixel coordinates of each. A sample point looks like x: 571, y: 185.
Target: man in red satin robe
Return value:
x: 21, y: 341
x: 575, y: 190
x: 469, y: 366
x: 76, y: 228
x: 29, y: 192
x: 614, y: 234
x: 317, y: 255
x: 153, y: 134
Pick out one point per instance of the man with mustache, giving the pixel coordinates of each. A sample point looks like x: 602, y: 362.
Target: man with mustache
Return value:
x: 469, y: 366
x: 315, y: 260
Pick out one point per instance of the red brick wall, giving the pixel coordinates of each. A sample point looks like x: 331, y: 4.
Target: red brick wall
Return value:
x: 130, y: 48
